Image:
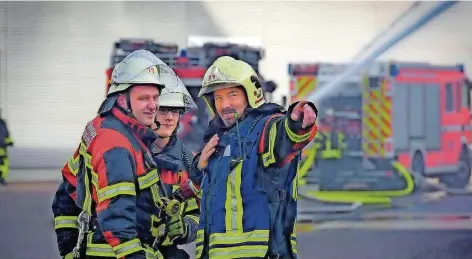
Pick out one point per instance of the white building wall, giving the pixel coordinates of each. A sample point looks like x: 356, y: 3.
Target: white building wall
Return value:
x: 54, y: 55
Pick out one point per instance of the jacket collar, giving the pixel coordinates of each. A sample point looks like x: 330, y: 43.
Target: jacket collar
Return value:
x: 144, y: 133
x: 170, y: 145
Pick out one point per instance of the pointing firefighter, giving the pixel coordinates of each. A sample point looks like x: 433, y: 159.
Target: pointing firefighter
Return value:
x: 112, y: 177
x: 249, y: 187
x: 330, y: 143
x: 174, y: 160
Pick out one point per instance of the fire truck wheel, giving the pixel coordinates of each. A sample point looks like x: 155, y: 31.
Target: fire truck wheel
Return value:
x: 462, y: 177
x: 417, y: 166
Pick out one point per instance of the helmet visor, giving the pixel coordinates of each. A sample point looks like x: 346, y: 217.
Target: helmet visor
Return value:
x: 215, y: 87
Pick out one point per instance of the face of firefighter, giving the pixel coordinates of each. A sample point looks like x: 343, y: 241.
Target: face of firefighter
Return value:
x: 228, y: 101
x: 168, y: 117
x: 144, y: 103
x: 329, y: 120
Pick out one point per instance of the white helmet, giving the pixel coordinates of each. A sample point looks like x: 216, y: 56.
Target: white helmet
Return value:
x: 142, y: 67
x: 179, y: 98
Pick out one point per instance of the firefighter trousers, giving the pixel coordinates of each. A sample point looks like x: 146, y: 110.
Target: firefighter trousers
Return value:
x: 4, y: 167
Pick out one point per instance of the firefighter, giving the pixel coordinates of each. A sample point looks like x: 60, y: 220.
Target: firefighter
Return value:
x: 112, y: 177
x: 175, y: 160
x: 330, y: 143
x: 249, y: 162
x: 5, y: 141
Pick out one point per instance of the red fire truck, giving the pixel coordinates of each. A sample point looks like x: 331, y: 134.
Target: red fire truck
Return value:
x: 190, y: 65
x: 416, y: 113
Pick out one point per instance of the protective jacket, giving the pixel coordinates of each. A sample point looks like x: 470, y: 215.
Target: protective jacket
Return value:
x: 117, y: 183
x: 64, y: 209
x: 175, y: 162
x: 331, y: 144
x: 5, y: 141
x: 249, y: 190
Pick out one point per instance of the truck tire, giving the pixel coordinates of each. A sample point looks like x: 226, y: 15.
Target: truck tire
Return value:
x: 461, y: 178
x: 418, y: 167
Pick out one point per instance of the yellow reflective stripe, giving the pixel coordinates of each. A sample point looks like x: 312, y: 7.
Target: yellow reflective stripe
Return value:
x: 88, y: 159
x: 3, y: 152
x: 194, y: 218
x: 65, y: 222
x: 115, y: 190
x: 234, y: 238
x: 8, y: 140
x: 69, y: 256
x: 99, y: 250
x: 191, y: 205
x: 199, y: 242
x: 328, y: 141
x: 239, y: 252
x: 103, y: 250
x: 293, y: 241
x: 127, y: 248
x: 234, y: 200
x: 83, y: 147
x: 154, y: 222
x: 175, y: 187
x: 73, y: 164
x: 95, y: 179
x: 156, y: 196
x: 294, y: 136
x: 148, y: 179
x: 167, y: 241
x: 295, y: 183
x: 151, y: 254
x: 239, y: 244
x: 268, y: 157
x: 87, y: 206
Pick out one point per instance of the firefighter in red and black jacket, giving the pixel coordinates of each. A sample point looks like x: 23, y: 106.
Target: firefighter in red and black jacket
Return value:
x: 112, y: 177
x: 174, y: 160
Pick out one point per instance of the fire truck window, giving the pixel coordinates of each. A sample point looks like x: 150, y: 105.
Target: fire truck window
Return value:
x: 465, y: 95
x: 432, y: 114
x: 449, y: 98
x: 458, y: 96
x: 374, y: 82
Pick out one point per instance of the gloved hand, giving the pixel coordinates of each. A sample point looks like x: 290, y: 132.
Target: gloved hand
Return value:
x: 176, y: 227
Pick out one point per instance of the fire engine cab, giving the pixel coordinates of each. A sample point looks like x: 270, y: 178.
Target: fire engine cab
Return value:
x: 190, y: 65
x: 416, y: 113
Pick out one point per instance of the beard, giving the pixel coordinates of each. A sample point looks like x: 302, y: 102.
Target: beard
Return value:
x: 229, y: 122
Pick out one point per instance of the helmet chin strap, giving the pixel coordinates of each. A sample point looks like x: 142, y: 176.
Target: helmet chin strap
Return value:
x: 158, y: 125
x: 128, y: 104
